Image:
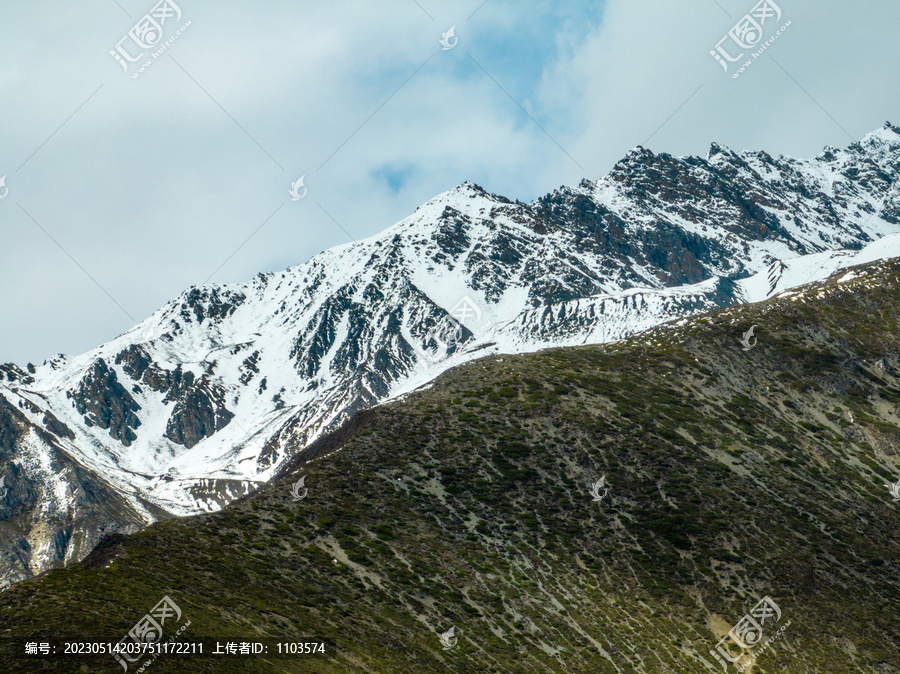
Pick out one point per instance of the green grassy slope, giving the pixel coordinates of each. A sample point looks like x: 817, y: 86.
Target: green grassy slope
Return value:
x: 731, y: 474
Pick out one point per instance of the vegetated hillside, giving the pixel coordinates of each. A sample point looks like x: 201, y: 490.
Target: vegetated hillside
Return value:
x: 732, y: 475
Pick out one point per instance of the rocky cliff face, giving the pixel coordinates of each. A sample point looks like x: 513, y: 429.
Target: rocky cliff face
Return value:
x: 208, y: 397
x: 104, y: 402
x: 198, y: 414
x: 53, y: 510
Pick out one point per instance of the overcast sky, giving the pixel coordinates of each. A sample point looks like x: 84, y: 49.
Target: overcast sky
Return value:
x: 124, y: 191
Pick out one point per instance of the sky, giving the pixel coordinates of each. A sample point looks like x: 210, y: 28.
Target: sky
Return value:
x: 121, y: 188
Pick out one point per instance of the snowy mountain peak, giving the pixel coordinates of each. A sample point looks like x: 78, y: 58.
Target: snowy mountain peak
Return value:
x: 714, y: 149
x: 889, y: 127
x: 881, y: 144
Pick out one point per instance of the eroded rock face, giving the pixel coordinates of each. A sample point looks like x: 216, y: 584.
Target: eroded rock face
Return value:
x: 199, y: 404
x: 53, y: 510
x: 58, y: 428
x: 210, y: 304
x: 139, y: 366
x: 134, y: 361
x: 104, y: 402
x: 199, y: 412
x: 9, y: 430
x: 10, y: 373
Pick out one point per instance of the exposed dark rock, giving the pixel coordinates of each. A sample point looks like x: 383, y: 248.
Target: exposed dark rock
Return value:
x: 209, y: 303
x: 198, y: 414
x: 13, y: 374
x: 134, y: 361
x: 9, y: 428
x: 34, y: 521
x: 104, y: 402
x: 58, y: 428
x: 173, y: 383
x: 250, y: 367
x: 451, y: 235
x: 26, y: 404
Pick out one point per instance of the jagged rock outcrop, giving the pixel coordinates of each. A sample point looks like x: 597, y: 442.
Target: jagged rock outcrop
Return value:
x: 198, y: 414
x: 104, y: 402
x: 53, y: 510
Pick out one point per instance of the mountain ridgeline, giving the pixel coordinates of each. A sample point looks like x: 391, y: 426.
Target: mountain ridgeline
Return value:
x: 213, y: 394
x: 732, y: 471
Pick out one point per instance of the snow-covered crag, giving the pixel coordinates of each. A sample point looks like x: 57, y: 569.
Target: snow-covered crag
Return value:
x: 205, y: 399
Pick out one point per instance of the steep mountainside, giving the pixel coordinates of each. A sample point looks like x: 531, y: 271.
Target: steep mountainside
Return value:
x: 49, y: 518
x: 729, y: 474
x: 210, y: 396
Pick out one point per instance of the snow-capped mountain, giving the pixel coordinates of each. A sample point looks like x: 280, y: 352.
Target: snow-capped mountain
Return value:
x: 206, y: 398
